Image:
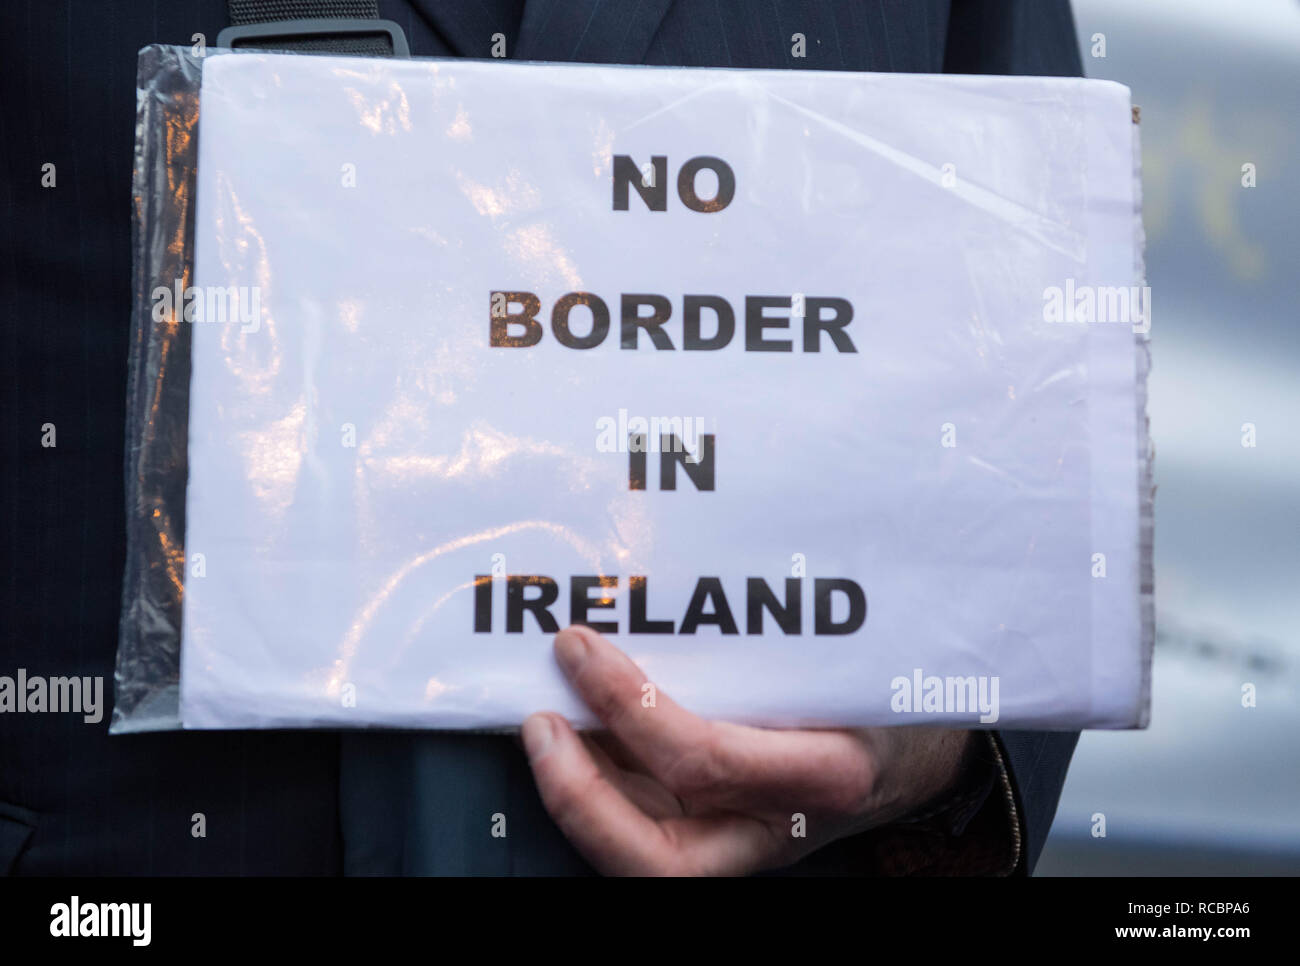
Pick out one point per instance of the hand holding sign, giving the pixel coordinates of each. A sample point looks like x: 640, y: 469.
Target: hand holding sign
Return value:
x: 667, y: 792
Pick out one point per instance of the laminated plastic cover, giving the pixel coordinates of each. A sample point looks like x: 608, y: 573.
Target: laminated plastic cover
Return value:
x: 348, y: 507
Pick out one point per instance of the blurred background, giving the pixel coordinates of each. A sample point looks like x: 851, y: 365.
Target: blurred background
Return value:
x: 1212, y: 787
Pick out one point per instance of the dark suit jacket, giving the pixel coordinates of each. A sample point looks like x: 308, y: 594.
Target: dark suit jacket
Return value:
x: 73, y: 800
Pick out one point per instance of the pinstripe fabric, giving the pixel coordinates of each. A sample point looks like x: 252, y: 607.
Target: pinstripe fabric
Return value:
x: 94, y: 804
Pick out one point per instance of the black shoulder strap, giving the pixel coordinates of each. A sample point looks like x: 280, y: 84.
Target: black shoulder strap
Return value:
x: 324, y: 26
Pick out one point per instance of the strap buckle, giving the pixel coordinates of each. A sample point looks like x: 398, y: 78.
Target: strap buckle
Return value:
x: 315, y: 27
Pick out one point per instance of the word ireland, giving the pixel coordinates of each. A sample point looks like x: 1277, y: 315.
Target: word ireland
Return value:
x: 839, y: 606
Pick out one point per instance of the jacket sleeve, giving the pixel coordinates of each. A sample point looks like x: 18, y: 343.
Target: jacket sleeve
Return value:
x: 1036, y: 763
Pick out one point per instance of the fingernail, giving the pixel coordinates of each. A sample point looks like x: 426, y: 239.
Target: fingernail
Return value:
x: 570, y: 650
x: 538, y: 732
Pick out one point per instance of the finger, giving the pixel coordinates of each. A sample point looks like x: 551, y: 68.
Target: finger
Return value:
x: 831, y: 773
x: 618, y: 752
x: 717, y: 764
x: 645, y: 792
x: 728, y: 844
x: 612, y: 833
x: 616, y: 837
x: 657, y: 733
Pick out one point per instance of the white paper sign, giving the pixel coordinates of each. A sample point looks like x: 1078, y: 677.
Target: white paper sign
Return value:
x: 908, y: 492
